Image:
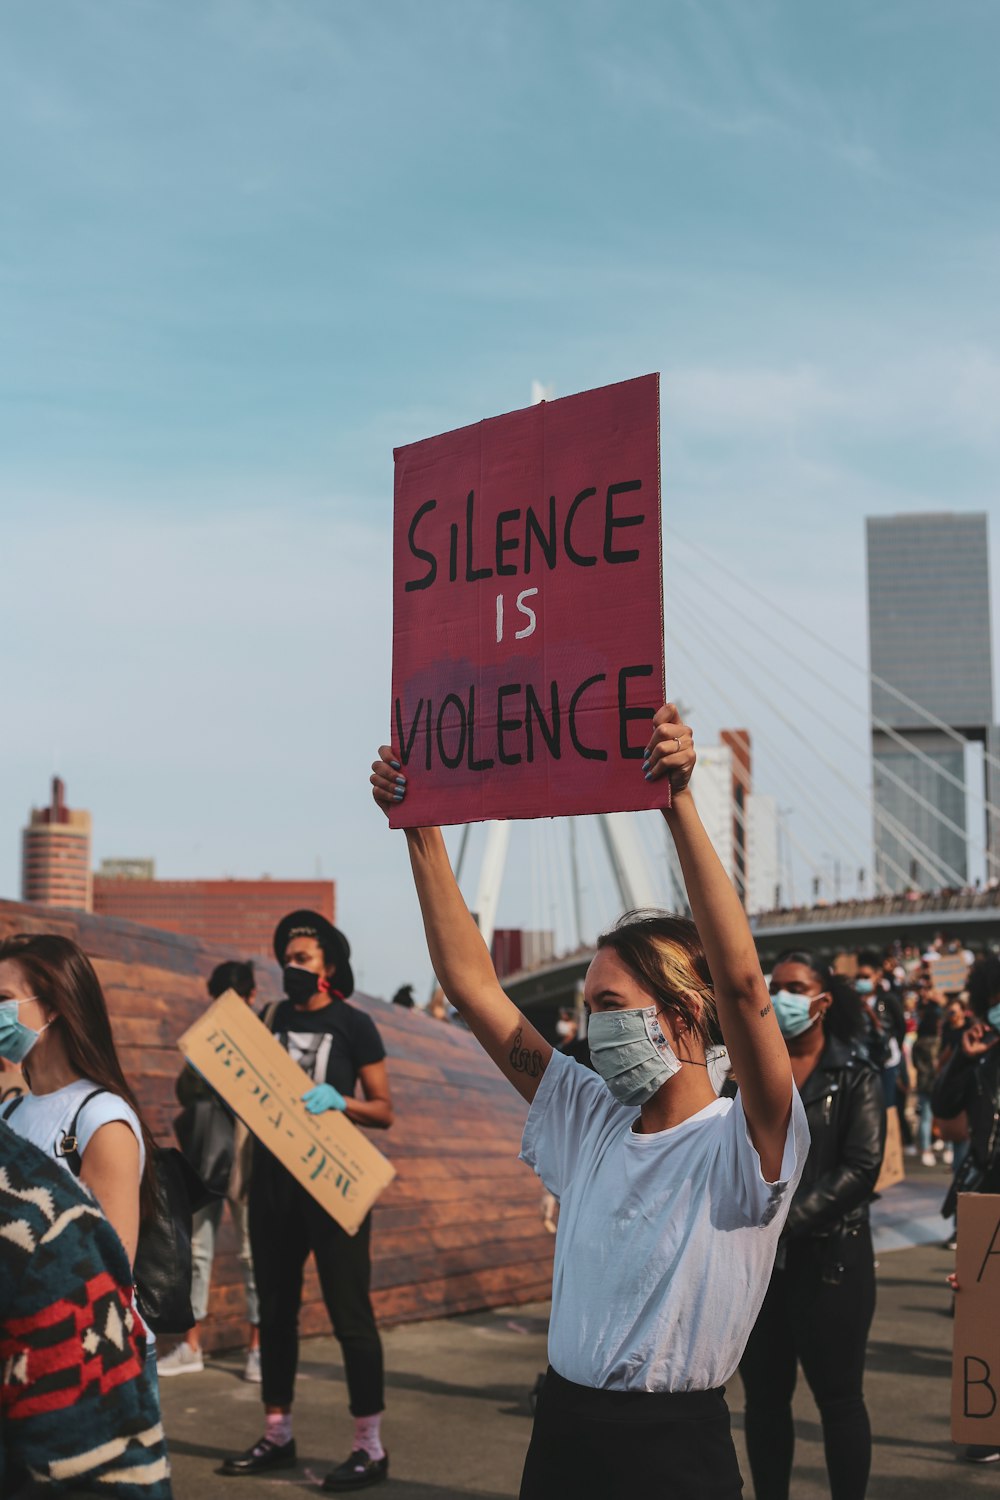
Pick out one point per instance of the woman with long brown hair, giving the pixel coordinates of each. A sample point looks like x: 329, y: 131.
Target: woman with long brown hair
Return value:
x: 79, y: 1109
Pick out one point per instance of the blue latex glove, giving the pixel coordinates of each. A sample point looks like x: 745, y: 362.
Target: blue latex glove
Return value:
x: 323, y: 1097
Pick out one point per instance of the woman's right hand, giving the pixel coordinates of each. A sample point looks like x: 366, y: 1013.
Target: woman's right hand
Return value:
x: 387, y: 779
x: 977, y: 1040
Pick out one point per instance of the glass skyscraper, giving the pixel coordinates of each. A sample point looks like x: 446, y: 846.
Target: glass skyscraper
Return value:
x: 930, y: 649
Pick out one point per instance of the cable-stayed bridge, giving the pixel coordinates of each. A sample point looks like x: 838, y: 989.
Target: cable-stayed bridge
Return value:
x: 974, y: 918
x: 739, y: 657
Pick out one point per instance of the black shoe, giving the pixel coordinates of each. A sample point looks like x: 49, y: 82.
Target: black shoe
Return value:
x: 358, y: 1471
x: 981, y: 1453
x: 261, y: 1457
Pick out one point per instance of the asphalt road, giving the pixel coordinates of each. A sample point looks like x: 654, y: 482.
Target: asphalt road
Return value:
x: 458, y: 1419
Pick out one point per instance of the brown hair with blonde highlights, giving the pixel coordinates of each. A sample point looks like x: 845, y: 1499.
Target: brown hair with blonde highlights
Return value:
x: 665, y: 955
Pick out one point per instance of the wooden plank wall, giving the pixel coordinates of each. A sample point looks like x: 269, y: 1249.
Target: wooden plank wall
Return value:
x: 458, y: 1229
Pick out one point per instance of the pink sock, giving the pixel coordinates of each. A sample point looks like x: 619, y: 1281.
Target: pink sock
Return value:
x: 278, y: 1426
x: 367, y: 1435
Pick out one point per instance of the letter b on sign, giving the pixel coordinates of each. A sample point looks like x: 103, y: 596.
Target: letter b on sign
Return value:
x: 980, y: 1397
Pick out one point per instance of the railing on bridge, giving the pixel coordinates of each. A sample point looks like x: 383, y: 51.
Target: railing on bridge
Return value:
x: 916, y: 903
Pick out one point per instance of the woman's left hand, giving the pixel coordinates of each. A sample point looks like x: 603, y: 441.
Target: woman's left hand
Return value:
x: 387, y: 779
x: 670, y: 751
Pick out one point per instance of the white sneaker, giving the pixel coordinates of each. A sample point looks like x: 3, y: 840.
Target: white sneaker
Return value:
x: 929, y: 1159
x: 183, y: 1360
x: 251, y: 1370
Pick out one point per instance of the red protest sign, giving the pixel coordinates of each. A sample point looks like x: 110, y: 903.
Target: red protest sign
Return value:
x: 528, y: 611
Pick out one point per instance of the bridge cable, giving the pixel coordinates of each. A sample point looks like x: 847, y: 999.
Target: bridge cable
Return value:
x: 964, y: 834
x: 903, y: 835
x: 882, y: 725
x: 887, y: 687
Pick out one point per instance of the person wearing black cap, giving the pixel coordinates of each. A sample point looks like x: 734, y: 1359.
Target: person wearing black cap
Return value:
x: 339, y: 1047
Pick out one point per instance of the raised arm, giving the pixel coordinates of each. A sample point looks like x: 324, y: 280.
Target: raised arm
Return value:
x: 459, y: 956
x: 756, y: 1047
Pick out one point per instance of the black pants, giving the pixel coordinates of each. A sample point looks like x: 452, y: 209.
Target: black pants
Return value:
x: 809, y: 1319
x: 286, y: 1223
x: 619, y: 1445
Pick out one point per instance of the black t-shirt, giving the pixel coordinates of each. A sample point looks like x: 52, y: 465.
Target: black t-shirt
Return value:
x: 332, y: 1045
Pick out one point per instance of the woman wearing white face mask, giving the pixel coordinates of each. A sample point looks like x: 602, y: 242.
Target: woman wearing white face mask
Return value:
x: 820, y: 1303
x: 672, y: 1198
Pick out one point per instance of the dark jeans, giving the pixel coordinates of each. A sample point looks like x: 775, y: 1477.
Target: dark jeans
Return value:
x: 890, y: 1082
x: 824, y: 1326
x: 619, y: 1445
x: 286, y: 1223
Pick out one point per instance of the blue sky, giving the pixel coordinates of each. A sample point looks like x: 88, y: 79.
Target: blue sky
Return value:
x: 248, y: 247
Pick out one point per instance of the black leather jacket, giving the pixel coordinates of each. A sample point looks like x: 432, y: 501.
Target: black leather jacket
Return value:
x: 972, y: 1084
x: 845, y: 1107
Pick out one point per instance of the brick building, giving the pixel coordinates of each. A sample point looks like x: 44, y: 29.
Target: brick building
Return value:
x: 517, y: 948
x: 239, y: 915
x: 55, y: 854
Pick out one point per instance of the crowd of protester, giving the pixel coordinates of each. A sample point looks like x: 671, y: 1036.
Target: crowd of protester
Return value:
x: 873, y: 1038
x: 913, y: 899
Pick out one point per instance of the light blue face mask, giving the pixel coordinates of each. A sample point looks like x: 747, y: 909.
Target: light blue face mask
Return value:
x: 865, y: 986
x: 631, y: 1053
x: 792, y: 1012
x: 16, y: 1039
x: 993, y: 1016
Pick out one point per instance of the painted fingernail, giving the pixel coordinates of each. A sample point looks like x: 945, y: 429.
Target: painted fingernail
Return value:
x: 398, y: 796
x: 648, y: 775
x: 395, y: 765
x: 400, y: 780
x: 645, y: 763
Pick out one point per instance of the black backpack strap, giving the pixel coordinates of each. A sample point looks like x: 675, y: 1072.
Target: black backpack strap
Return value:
x: 11, y: 1105
x: 68, y: 1147
x: 269, y: 1013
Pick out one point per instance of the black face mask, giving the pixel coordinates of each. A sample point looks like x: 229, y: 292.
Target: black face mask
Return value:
x: 300, y: 984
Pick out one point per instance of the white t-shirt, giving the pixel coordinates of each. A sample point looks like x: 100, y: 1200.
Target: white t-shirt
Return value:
x: 44, y: 1119
x: 666, y: 1242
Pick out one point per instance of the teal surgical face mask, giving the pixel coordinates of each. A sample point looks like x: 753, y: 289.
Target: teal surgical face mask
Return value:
x: 631, y: 1053
x: 993, y: 1016
x: 792, y: 1012
x: 16, y: 1039
x: 865, y: 986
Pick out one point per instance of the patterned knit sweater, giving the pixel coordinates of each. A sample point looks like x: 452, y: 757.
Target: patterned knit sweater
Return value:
x: 78, y: 1414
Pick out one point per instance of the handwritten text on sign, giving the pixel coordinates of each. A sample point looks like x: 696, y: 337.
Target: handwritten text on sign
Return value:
x: 975, y: 1384
x: 248, y: 1067
x: 528, y: 611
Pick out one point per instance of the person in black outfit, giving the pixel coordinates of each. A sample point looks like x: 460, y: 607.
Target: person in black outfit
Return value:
x: 952, y: 1031
x: 339, y: 1047
x: 207, y: 1134
x: 970, y: 1081
x: 819, y: 1305
x: 887, y: 1019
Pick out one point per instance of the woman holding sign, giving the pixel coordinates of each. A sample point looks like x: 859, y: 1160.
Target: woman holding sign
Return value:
x: 339, y: 1047
x: 672, y: 1199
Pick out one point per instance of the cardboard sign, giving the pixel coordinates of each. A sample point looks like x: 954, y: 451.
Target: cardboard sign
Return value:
x: 893, y: 1169
x: 949, y: 973
x: 249, y: 1068
x: 527, y: 655
x: 975, y: 1382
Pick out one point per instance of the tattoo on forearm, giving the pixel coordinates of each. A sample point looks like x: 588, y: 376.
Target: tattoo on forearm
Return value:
x: 767, y: 1010
x: 524, y: 1061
